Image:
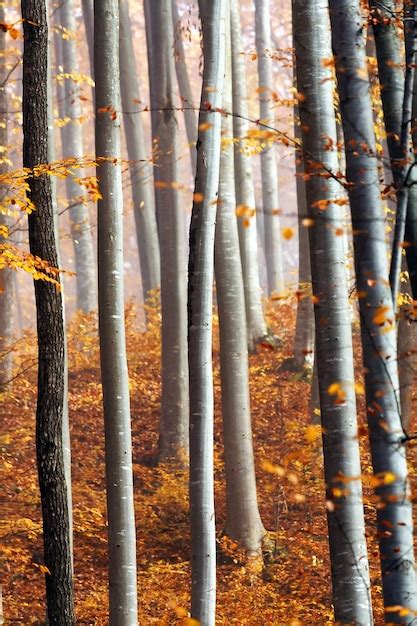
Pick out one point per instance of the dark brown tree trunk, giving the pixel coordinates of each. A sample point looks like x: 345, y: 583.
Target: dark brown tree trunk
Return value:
x: 50, y: 327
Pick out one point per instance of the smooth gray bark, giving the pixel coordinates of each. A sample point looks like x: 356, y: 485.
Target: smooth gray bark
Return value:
x: 6, y: 274
x: 72, y: 146
x: 393, y: 90
x: 243, y: 521
x: 270, y: 202
x: 245, y: 192
x: 407, y: 178
x: 141, y: 175
x: 184, y: 86
x: 376, y: 312
x: 114, y: 373
x: 200, y: 302
x: 173, y: 433
x: 342, y: 469
x: 304, y: 329
x: 88, y: 15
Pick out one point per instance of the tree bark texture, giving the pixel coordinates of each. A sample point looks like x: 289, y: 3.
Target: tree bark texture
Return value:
x: 345, y: 517
x: 114, y: 373
x: 72, y: 146
x: 243, y: 521
x: 184, y: 87
x: 6, y: 274
x: 245, y: 192
x: 173, y: 434
x: 376, y: 312
x: 141, y: 175
x: 200, y: 302
x: 270, y: 202
x: 50, y: 328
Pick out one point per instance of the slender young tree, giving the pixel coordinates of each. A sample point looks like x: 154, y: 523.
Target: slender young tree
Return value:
x: 6, y: 274
x: 270, y: 205
x: 173, y: 441
x: 376, y: 312
x: 141, y: 176
x: 243, y: 521
x: 50, y: 327
x: 184, y: 86
x: 200, y: 301
x: 66, y: 437
x: 304, y: 330
x: 345, y: 518
x: 88, y: 17
x: 72, y: 146
x: 245, y: 192
x: 114, y: 373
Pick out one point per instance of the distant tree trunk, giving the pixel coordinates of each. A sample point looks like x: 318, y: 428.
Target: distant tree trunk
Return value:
x: 376, y: 311
x: 50, y: 327
x: 270, y: 203
x: 349, y: 563
x: 200, y: 301
x: 6, y: 274
x: 184, y: 86
x: 406, y: 179
x: 72, y: 146
x: 245, y: 192
x: 88, y: 15
x: 243, y: 522
x: 407, y: 357
x: 141, y: 174
x: 304, y: 330
x: 173, y: 441
x: 114, y: 373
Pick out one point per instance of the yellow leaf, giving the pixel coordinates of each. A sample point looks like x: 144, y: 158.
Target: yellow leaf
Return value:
x: 205, y: 126
x: 287, y: 233
x: 312, y: 432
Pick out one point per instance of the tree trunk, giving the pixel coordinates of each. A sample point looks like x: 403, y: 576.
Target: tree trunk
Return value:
x: 391, y: 78
x: 184, y: 87
x: 141, y: 175
x: 66, y: 436
x: 72, y: 146
x: 200, y: 301
x: 50, y: 327
x: 6, y: 274
x: 243, y: 522
x: 376, y: 311
x: 173, y: 440
x: 114, y: 373
x: 304, y: 329
x: 88, y: 15
x: 270, y: 203
x: 245, y: 192
x: 342, y: 469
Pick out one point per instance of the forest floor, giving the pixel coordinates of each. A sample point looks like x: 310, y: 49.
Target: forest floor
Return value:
x: 294, y: 586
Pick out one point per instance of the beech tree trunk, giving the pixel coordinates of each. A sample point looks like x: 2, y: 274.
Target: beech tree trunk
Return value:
x: 376, y: 312
x: 245, y: 192
x: 200, y: 302
x: 173, y: 434
x: 345, y: 516
x: 6, y: 274
x: 50, y: 327
x: 114, y: 373
x: 270, y: 203
x: 304, y: 329
x: 141, y: 175
x: 184, y: 87
x: 243, y: 522
x: 72, y: 146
